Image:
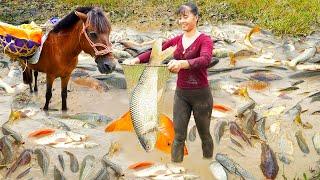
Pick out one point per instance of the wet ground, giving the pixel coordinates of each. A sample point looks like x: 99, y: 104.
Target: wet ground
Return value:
x: 114, y: 103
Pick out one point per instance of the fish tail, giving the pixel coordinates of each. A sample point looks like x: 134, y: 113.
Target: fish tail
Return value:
x: 124, y: 123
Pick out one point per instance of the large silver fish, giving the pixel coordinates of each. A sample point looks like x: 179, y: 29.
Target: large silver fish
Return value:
x: 147, y: 93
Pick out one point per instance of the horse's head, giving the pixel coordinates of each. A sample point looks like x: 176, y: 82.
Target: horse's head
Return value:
x: 94, y: 39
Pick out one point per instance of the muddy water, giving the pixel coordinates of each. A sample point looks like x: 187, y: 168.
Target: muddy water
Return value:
x: 114, y: 103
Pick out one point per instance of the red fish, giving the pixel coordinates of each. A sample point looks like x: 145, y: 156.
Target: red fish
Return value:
x: 140, y: 165
x: 41, y: 132
x: 166, y: 131
x: 220, y: 107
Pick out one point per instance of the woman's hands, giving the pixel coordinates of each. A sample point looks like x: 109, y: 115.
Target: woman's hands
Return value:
x: 131, y: 61
x: 175, y: 66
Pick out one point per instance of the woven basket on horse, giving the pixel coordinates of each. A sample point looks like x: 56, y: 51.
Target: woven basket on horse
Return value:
x: 20, y: 41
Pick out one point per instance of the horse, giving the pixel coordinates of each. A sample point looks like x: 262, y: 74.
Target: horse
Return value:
x: 85, y: 29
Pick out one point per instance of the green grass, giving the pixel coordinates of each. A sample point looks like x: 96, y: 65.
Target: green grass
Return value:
x: 283, y: 17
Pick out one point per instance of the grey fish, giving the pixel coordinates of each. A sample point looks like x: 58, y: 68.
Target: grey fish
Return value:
x: 233, y: 167
x: 61, y: 161
x: 297, y: 82
x: 219, y: 129
x: 94, y: 118
x: 294, y: 112
x: 74, y: 165
x: 236, y: 131
x: 53, y: 122
x: 249, y: 105
x: 302, y: 142
x: 193, y: 133
x: 114, y: 79
x: 58, y: 174
x: 304, y: 74
x: 43, y: 159
x: 223, y: 70
x: 269, y: 164
x: 250, y: 70
x: 261, y: 128
x: 261, y: 76
x: 286, y: 149
x: 234, y: 141
x: 314, y: 99
x: 316, y: 112
x: 315, y: 59
x: 316, y: 142
x: 249, y: 121
x: 7, y: 150
x: 6, y: 130
x: 291, y: 88
x: 115, y: 167
x: 276, y: 67
x: 6, y: 87
x: 307, y: 54
x: 23, y: 159
x: 314, y: 94
x: 25, y: 172
x: 86, y: 167
x: 103, y: 174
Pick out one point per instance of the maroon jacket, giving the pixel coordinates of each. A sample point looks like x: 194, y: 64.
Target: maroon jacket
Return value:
x: 198, y: 54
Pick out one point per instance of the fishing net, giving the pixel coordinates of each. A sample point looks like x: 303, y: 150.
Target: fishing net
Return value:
x: 133, y: 73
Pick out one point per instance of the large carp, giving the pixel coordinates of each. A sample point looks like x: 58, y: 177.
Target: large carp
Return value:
x: 147, y: 89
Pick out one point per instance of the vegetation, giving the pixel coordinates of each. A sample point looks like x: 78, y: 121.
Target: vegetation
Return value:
x: 283, y: 17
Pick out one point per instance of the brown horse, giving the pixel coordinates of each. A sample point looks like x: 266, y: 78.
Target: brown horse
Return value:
x: 86, y: 29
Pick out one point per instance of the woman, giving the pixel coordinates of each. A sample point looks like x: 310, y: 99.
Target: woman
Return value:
x: 192, y: 57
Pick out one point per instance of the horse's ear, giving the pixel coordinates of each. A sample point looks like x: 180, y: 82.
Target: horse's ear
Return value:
x: 81, y: 15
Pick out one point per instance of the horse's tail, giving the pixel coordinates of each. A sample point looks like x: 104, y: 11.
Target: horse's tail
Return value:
x: 27, y: 76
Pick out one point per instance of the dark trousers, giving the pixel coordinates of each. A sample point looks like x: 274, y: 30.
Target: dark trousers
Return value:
x: 198, y: 101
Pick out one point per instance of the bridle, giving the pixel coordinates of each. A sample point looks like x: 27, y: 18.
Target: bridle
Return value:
x: 106, y: 49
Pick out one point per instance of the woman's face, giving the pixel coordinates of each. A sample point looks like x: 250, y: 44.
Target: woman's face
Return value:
x: 187, y: 20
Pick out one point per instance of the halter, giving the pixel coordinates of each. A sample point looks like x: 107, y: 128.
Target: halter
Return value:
x: 106, y: 49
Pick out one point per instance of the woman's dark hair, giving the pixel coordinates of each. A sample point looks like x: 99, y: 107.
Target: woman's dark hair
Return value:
x: 184, y: 8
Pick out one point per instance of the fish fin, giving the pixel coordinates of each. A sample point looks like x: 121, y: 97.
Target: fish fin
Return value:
x: 41, y: 132
x: 124, y: 123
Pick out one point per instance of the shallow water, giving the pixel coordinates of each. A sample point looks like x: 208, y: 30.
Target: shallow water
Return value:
x: 114, y: 103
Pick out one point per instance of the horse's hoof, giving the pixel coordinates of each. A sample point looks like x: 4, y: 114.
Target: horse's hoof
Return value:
x: 45, y: 108
x: 35, y: 90
x: 64, y: 109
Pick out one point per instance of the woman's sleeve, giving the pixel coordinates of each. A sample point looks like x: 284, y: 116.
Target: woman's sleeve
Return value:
x: 204, y: 59
x: 144, y: 57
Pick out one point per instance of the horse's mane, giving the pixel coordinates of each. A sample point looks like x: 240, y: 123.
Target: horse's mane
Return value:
x: 96, y: 18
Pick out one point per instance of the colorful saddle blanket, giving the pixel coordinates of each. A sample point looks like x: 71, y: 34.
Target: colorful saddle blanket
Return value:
x: 24, y: 41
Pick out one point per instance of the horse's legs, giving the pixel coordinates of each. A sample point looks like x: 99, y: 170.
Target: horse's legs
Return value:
x: 64, y: 91
x: 50, y: 80
x: 35, y: 81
